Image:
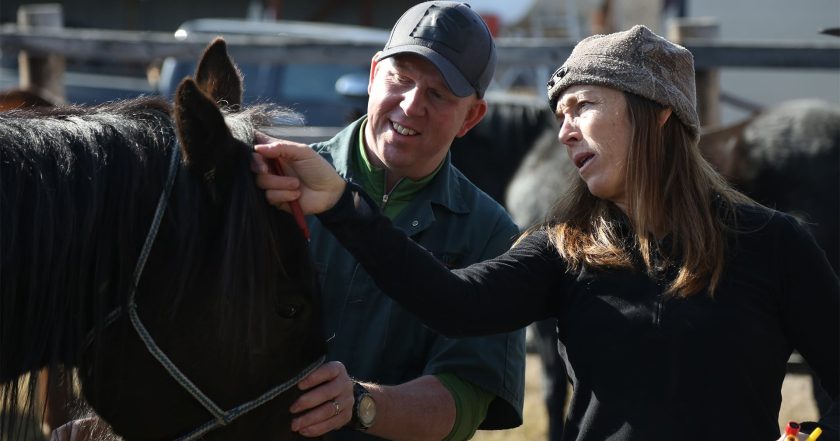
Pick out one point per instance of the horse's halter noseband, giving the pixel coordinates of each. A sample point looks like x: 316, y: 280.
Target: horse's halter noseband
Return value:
x: 220, y: 417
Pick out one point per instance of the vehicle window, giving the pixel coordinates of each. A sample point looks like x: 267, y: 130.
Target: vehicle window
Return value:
x: 313, y: 82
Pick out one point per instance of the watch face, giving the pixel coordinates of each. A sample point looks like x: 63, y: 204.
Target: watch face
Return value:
x: 367, y: 410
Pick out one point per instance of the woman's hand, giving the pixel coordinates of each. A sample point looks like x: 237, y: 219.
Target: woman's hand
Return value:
x: 309, y: 178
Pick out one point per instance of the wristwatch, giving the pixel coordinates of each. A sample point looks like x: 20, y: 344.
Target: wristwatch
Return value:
x: 364, y: 407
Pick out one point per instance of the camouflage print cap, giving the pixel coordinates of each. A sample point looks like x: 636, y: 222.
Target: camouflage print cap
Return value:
x: 636, y: 61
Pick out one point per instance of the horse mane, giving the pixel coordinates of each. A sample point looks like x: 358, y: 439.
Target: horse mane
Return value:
x: 63, y: 204
x: 79, y: 190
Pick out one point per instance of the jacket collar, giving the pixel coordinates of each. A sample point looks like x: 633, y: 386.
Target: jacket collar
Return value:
x: 444, y: 190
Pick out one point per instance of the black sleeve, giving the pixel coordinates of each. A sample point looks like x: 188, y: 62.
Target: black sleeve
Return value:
x: 812, y: 298
x: 498, y: 295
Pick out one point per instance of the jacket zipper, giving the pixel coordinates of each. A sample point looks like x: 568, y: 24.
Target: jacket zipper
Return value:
x: 387, y: 195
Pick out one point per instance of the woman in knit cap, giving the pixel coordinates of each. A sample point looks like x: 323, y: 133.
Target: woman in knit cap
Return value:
x: 678, y: 300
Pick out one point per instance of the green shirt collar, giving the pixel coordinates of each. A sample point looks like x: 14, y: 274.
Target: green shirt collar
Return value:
x: 373, y: 181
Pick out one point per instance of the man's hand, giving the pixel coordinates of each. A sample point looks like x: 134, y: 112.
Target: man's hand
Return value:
x: 327, y: 404
x: 309, y: 178
x: 83, y: 429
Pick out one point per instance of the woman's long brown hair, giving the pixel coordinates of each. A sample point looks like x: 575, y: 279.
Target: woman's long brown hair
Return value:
x: 671, y: 190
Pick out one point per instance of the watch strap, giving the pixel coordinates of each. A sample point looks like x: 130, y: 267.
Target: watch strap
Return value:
x: 359, y: 391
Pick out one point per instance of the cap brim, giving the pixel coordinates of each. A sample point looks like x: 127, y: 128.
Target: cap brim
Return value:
x: 453, y: 77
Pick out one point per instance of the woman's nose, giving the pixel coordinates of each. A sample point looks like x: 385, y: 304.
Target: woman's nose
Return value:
x: 568, y: 131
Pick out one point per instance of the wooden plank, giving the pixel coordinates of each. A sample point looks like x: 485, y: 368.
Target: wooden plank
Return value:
x: 40, y: 73
x: 130, y: 46
x: 141, y: 46
x: 707, y: 54
x: 766, y: 54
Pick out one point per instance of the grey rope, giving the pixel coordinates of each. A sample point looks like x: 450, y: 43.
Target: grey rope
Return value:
x: 220, y: 417
x: 242, y: 409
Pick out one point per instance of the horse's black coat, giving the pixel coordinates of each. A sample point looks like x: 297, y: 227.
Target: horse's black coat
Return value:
x: 228, y: 291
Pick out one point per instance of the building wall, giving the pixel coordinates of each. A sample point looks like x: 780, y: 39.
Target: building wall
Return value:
x: 166, y: 15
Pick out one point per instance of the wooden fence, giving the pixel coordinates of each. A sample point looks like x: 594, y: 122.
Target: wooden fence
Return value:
x: 44, y: 39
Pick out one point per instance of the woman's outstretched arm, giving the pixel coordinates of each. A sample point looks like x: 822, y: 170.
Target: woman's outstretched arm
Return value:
x: 499, y: 295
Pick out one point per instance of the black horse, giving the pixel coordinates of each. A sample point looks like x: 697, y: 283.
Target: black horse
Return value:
x: 172, y: 334
x: 788, y: 158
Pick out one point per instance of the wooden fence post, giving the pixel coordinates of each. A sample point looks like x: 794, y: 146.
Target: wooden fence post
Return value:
x: 683, y: 29
x: 43, y: 74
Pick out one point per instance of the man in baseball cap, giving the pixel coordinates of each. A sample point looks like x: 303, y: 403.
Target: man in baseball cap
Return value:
x: 390, y: 376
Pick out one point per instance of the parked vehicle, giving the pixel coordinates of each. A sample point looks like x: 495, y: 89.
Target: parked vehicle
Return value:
x: 326, y: 94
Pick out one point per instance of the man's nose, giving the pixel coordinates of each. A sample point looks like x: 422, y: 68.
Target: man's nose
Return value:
x: 412, y: 102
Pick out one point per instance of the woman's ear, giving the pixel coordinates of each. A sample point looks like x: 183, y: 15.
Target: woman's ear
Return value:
x: 664, y: 114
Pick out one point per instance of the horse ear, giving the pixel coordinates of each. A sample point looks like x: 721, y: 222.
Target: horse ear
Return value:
x: 206, y: 142
x: 217, y: 75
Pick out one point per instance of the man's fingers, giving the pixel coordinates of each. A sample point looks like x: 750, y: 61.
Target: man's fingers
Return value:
x: 329, y: 416
x: 324, y: 373
x: 327, y: 403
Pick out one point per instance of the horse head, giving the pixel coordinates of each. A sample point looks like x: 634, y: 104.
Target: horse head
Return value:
x: 221, y: 312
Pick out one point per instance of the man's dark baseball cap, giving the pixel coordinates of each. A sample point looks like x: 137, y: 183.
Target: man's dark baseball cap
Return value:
x: 453, y: 37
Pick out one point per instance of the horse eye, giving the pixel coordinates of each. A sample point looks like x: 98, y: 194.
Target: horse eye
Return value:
x: 288, y: 311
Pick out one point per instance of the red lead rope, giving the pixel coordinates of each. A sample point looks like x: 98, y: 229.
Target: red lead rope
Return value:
x: 295, y: 205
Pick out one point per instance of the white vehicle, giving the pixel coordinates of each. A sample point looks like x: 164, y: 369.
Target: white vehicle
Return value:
x: 326, y: 94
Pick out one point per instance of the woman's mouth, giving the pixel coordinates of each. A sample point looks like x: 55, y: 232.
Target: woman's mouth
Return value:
x: 402, y: 130
x: 582, y: 159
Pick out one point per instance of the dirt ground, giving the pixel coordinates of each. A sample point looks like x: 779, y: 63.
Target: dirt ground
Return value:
x: 797, y: 405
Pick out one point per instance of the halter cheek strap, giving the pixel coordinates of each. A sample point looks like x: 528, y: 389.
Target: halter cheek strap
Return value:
x: 220, y: 417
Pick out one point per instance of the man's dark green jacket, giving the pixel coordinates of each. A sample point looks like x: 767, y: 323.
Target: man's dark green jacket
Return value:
x: 376, y: 339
